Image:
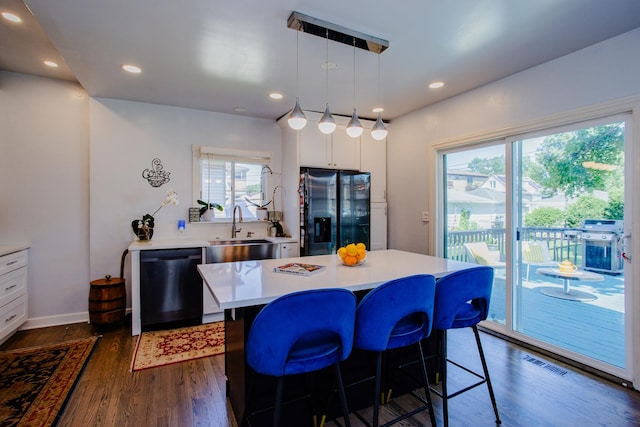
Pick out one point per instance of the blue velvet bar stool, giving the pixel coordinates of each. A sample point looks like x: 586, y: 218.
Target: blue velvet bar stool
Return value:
x: 396, y: 314
x: 302, y: 332
x: 462, y: 301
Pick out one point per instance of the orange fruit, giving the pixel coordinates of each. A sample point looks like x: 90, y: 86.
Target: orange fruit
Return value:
x: 350, y: 260
x: 361, y: 254
x: 342, y: 252
x: 351, y: 249
x: 361, y: 246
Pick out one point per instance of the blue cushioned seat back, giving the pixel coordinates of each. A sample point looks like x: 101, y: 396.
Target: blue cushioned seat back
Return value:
x: 394, y: 304
x: 462, y: 298
x: 326, y: 315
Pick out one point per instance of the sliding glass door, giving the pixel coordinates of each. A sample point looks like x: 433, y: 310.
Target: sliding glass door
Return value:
x: 547, y: 210
x: 475, y: 211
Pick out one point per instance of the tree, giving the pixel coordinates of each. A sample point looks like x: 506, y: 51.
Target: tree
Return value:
x: 494, y: 165
x: 583, y: 208
x: 544, y: 217
x: 615, y: 207
x: 465, y: 222
x: 252, y: 189
x: 563, y: 157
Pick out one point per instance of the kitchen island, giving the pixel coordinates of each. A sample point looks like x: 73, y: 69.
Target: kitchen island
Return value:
x: 137, y: 249
x: 243, y: 288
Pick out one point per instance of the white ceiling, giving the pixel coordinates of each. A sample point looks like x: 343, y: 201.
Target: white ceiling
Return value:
x: 219, y: 55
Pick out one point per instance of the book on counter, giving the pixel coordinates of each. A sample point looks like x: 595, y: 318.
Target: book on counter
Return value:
x: 299, y: 268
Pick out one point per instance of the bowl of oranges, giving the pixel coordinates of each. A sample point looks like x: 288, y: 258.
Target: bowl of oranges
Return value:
x: 353, y: 254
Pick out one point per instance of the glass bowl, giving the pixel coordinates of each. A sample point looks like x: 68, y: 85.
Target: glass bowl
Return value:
x: 360, y: 262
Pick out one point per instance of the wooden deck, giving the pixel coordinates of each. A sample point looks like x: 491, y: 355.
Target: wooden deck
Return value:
x: 591, y: 328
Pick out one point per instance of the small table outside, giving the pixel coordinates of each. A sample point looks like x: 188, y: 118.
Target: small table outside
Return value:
x: 566, y: 292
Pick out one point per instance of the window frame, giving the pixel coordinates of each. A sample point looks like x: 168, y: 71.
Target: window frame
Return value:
x: 228, y: 155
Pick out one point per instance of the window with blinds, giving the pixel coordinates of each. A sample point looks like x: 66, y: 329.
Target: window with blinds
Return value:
x: 230, y: 178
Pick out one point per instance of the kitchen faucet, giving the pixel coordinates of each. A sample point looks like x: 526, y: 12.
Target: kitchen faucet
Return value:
x: 235, y: 230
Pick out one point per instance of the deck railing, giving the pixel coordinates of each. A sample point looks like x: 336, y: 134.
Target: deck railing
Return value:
x: 563, y: 243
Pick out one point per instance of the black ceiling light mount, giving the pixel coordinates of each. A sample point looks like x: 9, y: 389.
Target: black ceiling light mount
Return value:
x: 308, y: 24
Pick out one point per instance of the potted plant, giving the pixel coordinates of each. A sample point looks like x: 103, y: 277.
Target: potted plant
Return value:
x: 261, y: 210
x: 492, y: 243
x: 207, y: 208
x: 143, y: 228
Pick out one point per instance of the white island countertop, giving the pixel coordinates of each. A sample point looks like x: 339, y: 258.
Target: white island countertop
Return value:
x: 249, y: 283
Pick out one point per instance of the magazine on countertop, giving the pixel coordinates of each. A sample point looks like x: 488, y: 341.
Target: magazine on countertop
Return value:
x: 299, y: 268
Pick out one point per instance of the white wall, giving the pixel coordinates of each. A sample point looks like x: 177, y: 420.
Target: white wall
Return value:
x: 44, y: 190
x: 125, y: 137
x: 71, y: 183
x: 601, y: 73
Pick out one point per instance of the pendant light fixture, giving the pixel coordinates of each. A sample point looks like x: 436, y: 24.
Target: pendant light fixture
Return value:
x: 379, y: 131
x: 297, y: 120
x: 327, y: 123
x: 354, y: 127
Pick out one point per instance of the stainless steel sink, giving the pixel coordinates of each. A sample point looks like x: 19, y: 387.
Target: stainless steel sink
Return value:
x: 236, y: 242
x: 241, y: 250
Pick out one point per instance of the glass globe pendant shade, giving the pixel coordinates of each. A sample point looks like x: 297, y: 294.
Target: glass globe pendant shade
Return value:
x: 379, y: 131
x: 354, y: 127
x: 327, y: 123
x: 297, y: 120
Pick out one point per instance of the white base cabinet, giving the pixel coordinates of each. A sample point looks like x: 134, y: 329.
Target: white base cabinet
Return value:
x: 289, y: 250
x: 14, y: 308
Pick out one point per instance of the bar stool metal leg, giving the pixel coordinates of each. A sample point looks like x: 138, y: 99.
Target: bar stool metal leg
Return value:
x: 486, y: 374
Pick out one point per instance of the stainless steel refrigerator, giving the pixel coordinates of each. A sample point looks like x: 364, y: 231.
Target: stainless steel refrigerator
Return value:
x: 334, y: 209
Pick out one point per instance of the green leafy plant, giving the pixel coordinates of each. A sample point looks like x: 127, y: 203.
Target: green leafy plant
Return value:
x: 208, y: 205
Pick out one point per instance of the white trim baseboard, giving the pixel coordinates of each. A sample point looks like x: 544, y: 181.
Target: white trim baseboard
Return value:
x: 62, y: 319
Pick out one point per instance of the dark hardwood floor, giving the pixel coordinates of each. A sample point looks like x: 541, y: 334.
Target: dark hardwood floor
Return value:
x: 531, y: 390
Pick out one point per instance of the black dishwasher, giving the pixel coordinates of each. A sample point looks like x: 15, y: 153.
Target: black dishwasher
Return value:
x: 170, y: 288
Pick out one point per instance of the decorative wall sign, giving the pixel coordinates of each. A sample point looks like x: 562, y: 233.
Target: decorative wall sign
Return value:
x: 156, y: 176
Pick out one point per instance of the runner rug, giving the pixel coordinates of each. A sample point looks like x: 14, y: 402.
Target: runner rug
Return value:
x: 159, y: 348
x: 35, y: 382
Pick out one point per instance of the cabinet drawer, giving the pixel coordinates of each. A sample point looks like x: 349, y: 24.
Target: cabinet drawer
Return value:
x: 12, y: 316
x: 12, y: 285
x: 13, y: 261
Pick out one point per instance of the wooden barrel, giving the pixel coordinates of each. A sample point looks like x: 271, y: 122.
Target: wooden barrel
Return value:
x: 107, y: 301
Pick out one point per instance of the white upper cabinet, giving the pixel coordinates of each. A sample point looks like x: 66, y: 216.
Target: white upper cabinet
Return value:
x: 315, y: 147
x: 373, y: 158
x: 345, y: 149
x: 335, y: 151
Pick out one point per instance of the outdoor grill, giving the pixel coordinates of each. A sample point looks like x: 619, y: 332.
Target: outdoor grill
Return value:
x: 601, y: 245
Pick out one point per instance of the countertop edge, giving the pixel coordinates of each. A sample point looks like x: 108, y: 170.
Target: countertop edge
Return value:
x: 9, y: 249
x: 142, y: 245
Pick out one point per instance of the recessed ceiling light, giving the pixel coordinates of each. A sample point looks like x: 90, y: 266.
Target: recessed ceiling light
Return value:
x: 50, y: 64
x: 239, y: 109
x: 436, y: 85
x: 11, y: 17
x: 276, y: 95
x: 377, y: 109
x: 131, y: 69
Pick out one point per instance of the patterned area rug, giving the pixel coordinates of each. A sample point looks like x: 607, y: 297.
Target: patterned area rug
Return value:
x: 161, y: 348
x: 35, y: 382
